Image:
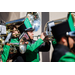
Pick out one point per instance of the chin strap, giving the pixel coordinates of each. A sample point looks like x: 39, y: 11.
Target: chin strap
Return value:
x: 68, y: 42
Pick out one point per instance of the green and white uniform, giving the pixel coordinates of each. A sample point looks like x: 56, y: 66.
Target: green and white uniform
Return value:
x: 6, y: 49
x: 32, y: 51
x: 62, y: 52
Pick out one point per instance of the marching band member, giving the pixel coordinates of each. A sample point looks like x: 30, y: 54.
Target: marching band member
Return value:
x: 65, y: 41
x: 14, y: 39
x: 33, y: 47
x: 6, y: 49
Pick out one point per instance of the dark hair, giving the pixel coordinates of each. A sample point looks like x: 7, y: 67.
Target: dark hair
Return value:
x: 11, y: 27
x: 59, y: 38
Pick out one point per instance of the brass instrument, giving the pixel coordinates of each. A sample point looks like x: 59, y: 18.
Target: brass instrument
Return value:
x: 33, y: 18
x: 2, y: 37
x: 49, y: 24
x: 10, y: 29
x: 14, y: 24
x: 1, y: 47
x: 35, y: 22
x: 13, y: 47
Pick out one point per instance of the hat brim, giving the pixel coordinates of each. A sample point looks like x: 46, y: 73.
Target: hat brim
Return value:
x: 29, y: 29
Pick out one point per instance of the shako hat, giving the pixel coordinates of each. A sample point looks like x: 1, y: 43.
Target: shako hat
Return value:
x: 26, y: 26
x: 62, y: 29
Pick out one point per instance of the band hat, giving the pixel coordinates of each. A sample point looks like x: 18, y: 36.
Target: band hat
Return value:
x: 60, y: 30
x: 71, y: 24
x: 27, y: 23
x: 26, y: 26
x: 64, y: 28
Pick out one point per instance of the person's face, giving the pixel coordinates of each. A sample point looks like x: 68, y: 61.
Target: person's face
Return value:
x: 30, y: 33
x: 71, y: 41
x: 15, y: 32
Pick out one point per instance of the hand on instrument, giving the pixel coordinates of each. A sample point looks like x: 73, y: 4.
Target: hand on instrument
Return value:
x: 8, y: 44
x: 46, y: 39
x: 43, y: 35
x: 26, y: 42
x: 23, y: 42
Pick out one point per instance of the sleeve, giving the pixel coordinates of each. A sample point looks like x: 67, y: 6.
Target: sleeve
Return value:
x: 68, y: 57
x: 44, y: 47
x: 34, y: 46
x: 5, y: 54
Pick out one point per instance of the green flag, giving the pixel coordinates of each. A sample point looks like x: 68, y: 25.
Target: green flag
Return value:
x: 71, y: 23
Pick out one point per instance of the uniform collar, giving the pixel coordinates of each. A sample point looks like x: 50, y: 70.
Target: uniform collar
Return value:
x: 14, y: 40
x: 60, y: 46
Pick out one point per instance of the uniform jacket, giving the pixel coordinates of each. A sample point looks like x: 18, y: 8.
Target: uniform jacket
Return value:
x: 32, y: 53
x: 5, y: 54
x: 62, y: 53
x: 6, y: 49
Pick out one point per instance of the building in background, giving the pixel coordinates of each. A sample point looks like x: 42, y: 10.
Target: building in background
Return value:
x: 44, y: 17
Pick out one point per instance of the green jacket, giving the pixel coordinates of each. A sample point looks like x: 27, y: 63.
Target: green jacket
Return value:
x: 68, y: 57
x: 5, y: 54
x: 6, y: 49
x: 32, y: 53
